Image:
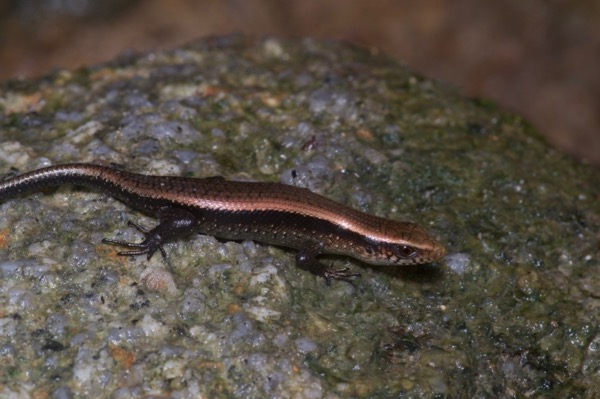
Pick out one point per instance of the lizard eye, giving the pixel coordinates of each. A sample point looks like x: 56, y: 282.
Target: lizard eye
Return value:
x: 406, y: 252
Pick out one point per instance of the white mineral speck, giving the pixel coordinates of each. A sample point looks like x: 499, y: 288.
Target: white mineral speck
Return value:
x: 263, y: 275
x: 305, y: 345
x: 20, y: 299
x: 15, y: 154
x: 458, y: 263
x: 375, y: 157
x: 273, y: 48
x: 281, y: 339
x: 262, y: 314
x: 84, y: 132
x: 152, y: 327
x: 173, y: 369
x: 218, y: 269
x: 9, y: 269
x: 38, y: 247
x: 193, y: 301
x: 8, y: 327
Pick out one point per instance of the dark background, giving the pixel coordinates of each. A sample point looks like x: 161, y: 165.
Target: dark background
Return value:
x: 538, y: 58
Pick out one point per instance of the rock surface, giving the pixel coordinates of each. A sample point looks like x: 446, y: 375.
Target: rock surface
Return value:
x: 513, y: 310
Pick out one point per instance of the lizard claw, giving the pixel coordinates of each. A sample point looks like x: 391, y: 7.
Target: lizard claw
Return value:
x: 339, y: 274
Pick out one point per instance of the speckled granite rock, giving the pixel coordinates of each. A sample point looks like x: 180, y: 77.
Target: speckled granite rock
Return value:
x: 512, y: 311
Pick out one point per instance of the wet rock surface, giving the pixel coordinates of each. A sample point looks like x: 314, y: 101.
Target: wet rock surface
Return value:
x: 512, y: 310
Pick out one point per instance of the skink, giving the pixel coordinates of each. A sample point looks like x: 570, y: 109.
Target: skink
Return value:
x: 273, y: 213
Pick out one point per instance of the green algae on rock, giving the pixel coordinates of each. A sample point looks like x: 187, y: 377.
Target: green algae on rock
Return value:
x: 511, y: 311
